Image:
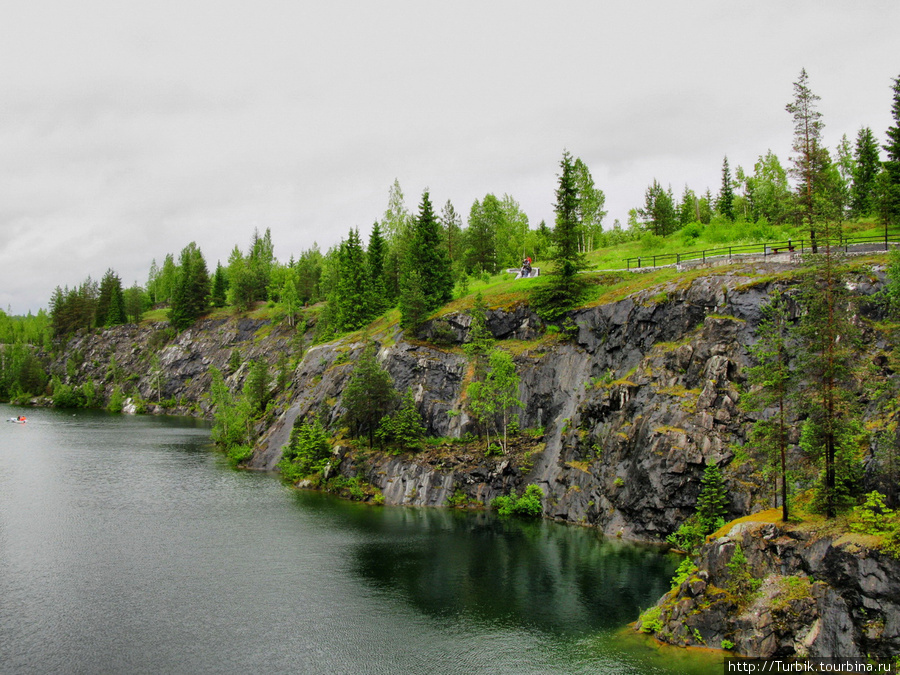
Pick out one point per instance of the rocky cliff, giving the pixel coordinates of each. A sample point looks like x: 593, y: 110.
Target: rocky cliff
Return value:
x: 626, y: 409
x: 797, y: 591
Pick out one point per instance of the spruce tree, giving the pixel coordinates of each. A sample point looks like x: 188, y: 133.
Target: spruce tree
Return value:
x: 219, y: 287
x: 352, y: 305
x: 772, y: 383
x: 827, y: 357
x: 890, y: 192
x: 190, y: 297
x: 712, y: 503
x: 427, y: 266
x: 564, y: 288
x: 862, y: 190
x: 808, y: 164
x: 375, y: 261
x: 368, y: 396
x: 726, y: 194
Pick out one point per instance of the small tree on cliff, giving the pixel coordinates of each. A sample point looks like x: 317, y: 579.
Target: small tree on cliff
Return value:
x: 564, y: 287
x: 369, y: 396
x: 772, y: 382
x: 712, y: 504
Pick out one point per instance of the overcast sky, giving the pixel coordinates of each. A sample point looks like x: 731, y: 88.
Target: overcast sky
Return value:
x: 128, y: 129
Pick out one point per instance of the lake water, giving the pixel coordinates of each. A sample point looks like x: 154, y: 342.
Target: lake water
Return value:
x: 128, y: 546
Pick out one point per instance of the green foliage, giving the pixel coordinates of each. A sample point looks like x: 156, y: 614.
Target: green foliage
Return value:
x: 403, y: 429
x: 650, y: 620
x: 238, y: 454
x: 528, y: 504
x: 21, y: 371
x: 563, y: 287
x: 351, y: 303
x: 65, y: 396
x: 772, y: 382
x: 712, y: 503
x: 307, y: 452
x: 480, y: 340
x: 116, y: 400
x: 659, y: 210
x: 256, y: 387
x: 686, y: 569
x: 726, y: 644
x: 863, y: 194
x: 427, y: 279
x: 368, y: 396
x: 875, y: 518
x: 354, y: 488
x: 689, y: 536
x: 492, y: 401
x: 889, y: 183
x: 190, y: 297
x: 233, y: 417
x: 110, y: 309
x: 741, y: 582
x: 828, y: 357
x: 234, y: 361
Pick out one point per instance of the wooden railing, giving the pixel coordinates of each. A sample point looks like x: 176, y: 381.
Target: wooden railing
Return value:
x: 770, y: 248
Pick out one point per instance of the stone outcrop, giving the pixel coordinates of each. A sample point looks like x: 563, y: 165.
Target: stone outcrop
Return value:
x: 814, y: 595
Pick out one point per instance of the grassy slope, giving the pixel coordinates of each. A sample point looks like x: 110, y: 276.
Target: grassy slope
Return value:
x: 605, y: 267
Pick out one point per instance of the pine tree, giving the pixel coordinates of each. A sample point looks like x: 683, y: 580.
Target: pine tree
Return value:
x: 375, y: 261
x: 481, y: 235
x: 826, y: 334
x: 659, y: 210
x: 427, y: 259
x: 772, y: 382
x: 808, y: 165
x: 368, y: 396
x: 110, y: 301
x: 726, y: 194
x: 351, y: 300
x: 889, y: 201
x: 219, y: 292
x: 712, y: 503
x: 190, y: 297
x: 564, y: 288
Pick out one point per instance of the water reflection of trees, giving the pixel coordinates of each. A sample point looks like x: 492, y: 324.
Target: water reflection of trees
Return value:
x: 544, y: 574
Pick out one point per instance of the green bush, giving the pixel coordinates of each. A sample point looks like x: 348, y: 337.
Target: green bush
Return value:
x: 238, y: 454
x: 876, y: 518
x: 689, y: 536
x: 529, y: 504
x: 307, y: 452
x: 403, y: 430
x: 650, y: 621
x: 116, y: 401
x: 685, y: 571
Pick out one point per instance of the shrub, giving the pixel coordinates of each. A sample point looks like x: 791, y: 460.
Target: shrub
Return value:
x: 876, y: 518
x: 650, y: 621
x: 685, y: 571
x: 689, y: 536
x: 529, y: 504
x: 116, y: 401
x: 404, y: 429
x: 307, y: 452
x: 238, y: 454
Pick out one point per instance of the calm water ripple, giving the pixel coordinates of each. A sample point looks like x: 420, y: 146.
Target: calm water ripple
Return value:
x: 126, y: 546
